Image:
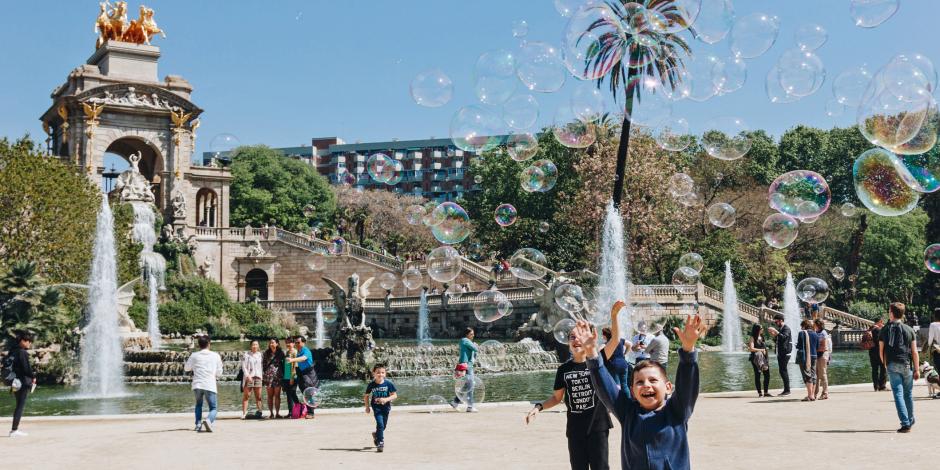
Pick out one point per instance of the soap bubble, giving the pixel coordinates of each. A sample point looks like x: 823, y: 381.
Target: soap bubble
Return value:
x: 415, y: 214
x: 850, y: 85
x: 676, y: 16
x: 388, y: 281
x: 309, y: 211
x: 904, y: 78
x: 443, y: 263
x: 587, y: 103
x: 549, y: 174
x: 275, y: 268
x: 346, y: 178
x: 837, y: 272
x: 521, y: 111
x: 437, y: 403
x: 881, y: 183
x: 316, y: 262
x: 775, y: 92
x: 475, y: 129
x: 681, y: 184
x: 848, y: 209
x: 871, y: 13
x: 890, y: 122
x: 730, y: 75
x: 753, y: 34
x: 468, y: 384
x: 692, y: 261
x: 834, y: 108
x: 562, y: 330
x: 673, y: 134
x: 544, y: 226
x: 222, y: 145
x: 522, y: 147
x: 693, y: 199
x: 491, y: 351
x: 571, y: 131
x: 432, y: 88
x: 307, y: 291
x: 412, y: 278
x: 486, y: 305
x: 652, y: 107
x: 810, y: 37
x: 685, y: 280
x: 478, y: 179
x: 801, y: 73
x: 726, y: 138
x: 505, y: 215
x: 591, y: 30
x: 520, y: 28
x: 699, y: 80
x: 932, y: 257
x: 455, y: 223
x: 721, y: 214
x: 567, y: 8
x: 926, y: 137
x: 634, y: 18
x: 540, y: 67
x: 380, y: 167
x: 925, y: 169
x: 569, y: 298
x: 714, y: 20
x: 800, y: 193
x: 337, y: 246
x: 780, y: 230
x: 494, y: 79
x: 528, y: 264
x: 312, y: 396
x: 531, y: 179
x: 812, y: 290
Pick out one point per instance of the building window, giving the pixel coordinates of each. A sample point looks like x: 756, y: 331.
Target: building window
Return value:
x: 207, y: 208
x: 256, y: 280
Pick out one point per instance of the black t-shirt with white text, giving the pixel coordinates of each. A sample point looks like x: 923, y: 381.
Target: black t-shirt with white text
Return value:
x: 586, y: 413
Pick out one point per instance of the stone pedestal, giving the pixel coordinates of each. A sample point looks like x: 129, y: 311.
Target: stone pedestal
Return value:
x: 127, y: 61
x: 352, y: 352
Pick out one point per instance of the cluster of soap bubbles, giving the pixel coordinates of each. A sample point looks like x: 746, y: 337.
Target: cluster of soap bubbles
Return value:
x: 812, y: 290
x: 385, y: 169
x: 802, y: 194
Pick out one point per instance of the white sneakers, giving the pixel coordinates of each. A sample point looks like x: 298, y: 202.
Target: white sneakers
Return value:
x: 207, y: 425
x: 198, y: 426
x: 472, y: 410
x: 454, y: 404
x: 15, y: 434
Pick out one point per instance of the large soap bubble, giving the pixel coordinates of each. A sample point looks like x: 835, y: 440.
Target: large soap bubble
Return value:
x: 726, y: 138
x: 381, y: 167
x: 685, y: 280
x: 681, y: 184
x: 415, y: 213
x: 800, y: 193
x: 467, y: 385
x: 443, y: 263
x: 775, y: 92
x: 540, y: 67
x: 721, y: 214
x: 692, y: 261
x: 455, y: 223
x: 223, y: 144
x: 673, y: 134
x: 848, y: 209
x: 849, y: 86
x: 932, y: 257
x: 801, y: 73
x: 926, y: 137
x: 881, y: 183
x: 838, y: 272
x: 907, y: 77
x: 522, y: 147
x: 730, y: 75
x: 489, y: 305
x: 812, y: 290
x: 699, y: 79
x: 780, y: 230
x: 475, y: 129
x: 871, y: 13
x: 307, y: 292
x: 571, y: 131
x: 809, y: 37
x: 925, y: 169
x: 652, y: 107
x: 587, y: 103
x: 316, y: 262
x: 412, y: 278
x: 520, y: 28
x: 888, y: 121
x: 569, y: 298
x: 549, y: 174
x: 753, y: 34
x: 505, y: 215
x: 312, y: 396
x: 432, y: 88
x: 388, y: 281
x: 528, y: 263
x: 521, y: 111
x: 714, y: 21
x: 593, y: 42
x: 531, y: 179
x: 562, y: 330
x: 494, y: 76
x: 676, y: 15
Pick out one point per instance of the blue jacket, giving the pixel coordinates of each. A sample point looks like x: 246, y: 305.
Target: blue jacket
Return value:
x: 652, y: 439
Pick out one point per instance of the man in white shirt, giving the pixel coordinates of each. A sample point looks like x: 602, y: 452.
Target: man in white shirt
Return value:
x: 658, y: 348
x: 206, y: 367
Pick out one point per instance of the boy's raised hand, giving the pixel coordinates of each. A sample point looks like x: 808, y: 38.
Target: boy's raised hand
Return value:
x: 694, y: 329
x: 586, y: 337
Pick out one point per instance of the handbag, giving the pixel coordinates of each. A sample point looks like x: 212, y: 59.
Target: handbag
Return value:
x: 760, y: 361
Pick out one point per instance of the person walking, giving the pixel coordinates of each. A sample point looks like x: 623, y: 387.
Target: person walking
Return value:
x: 289, y: 377
x: 806, y: 343
x: 306, y: 375
x: 784, y: 345
x: 932, y: 349
x: 615, y: 348
x: 897, y: 345
x: 823, y: 354
x: 25, y: 378
x: 468, y: 353
x: 658, y: 348
x: 252, y: 379
x: 206, y: 367
x: 879, y: 374
x: 273, y: 364
x: 760, y: 360
x: 588, y: 424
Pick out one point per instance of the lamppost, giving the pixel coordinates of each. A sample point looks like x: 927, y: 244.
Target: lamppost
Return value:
x: 109, y: 177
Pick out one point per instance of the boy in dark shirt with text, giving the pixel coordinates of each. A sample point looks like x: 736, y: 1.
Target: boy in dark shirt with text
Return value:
x: 588, y: 422
x: 378, y: 400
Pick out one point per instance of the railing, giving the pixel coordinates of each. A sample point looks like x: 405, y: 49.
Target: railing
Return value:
x: 523, y: 294
x: 847, y: 319
x: 230, y: 233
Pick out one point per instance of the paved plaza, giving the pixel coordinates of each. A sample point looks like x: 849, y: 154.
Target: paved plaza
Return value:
x: 854, y: 429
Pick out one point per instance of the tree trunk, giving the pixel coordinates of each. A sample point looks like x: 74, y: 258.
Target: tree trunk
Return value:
x: 623, y: 149
x: 855, y: 257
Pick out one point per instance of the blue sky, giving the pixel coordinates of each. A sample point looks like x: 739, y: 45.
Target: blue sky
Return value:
x: 281, y: 72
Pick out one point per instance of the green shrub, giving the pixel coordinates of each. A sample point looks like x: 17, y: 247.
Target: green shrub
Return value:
x: 869, y: 310
x: 138, y: 314
x: 181, y: 317
x: 249, y: 314
x: 223, y: 328
x: 263, y: 331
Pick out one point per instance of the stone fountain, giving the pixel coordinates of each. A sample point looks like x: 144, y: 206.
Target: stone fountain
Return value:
x: 350, y: 338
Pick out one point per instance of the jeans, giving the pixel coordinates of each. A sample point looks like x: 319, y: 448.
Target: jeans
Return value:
x: 21, y: 395
x: 782, y: 362
x: 211, y: 398
x: 588, y: 451
x: 878, y: 372
x: 381, y: 420
x: 291, y: 390
x: 470, y: 393
x: 902, y: 387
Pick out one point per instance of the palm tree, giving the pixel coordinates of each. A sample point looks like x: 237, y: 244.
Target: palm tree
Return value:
x: 651, y: 53
x: 29, y: 305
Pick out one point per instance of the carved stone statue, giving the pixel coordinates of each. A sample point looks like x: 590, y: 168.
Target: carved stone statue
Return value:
x: 255, y: 250
x: 192, y: 243
x: 112, y: 24
x: 132, y: 185
x: 206, y: 266
x: 351, y: 339
x: 350, y: 303
x: 179, y: 205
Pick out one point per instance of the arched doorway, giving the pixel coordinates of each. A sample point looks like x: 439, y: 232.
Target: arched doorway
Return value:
x: 207, y: 208
x: 150, y: 165
x: 256, y: 280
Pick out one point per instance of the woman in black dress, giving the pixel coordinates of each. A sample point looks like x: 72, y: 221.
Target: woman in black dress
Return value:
x: 759, y: 361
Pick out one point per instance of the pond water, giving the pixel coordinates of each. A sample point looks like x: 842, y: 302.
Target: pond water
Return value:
x: 719, y: 372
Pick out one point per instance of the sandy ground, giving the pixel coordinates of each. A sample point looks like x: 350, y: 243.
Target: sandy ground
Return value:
x: 854, y: 429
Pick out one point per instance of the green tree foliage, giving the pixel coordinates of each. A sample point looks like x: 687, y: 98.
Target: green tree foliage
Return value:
x: 47, y: 212
x: 892, y: 257
x: 193, y: 303
x: 269, y: 187
x: 28, y: 304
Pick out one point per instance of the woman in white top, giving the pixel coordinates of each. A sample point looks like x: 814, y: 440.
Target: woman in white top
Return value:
x: 252, y: 378
x: 933, y: 339
x: 823, y: 353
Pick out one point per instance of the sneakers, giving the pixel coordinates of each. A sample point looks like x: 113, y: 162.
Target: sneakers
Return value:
x: 905, y: 429
x: 784, y: 393
x: 198, y: 426
x: 471, y: 409
x: 380, y: 447
x: 15, y: 434
x: 375, y: 441
x: 206, y: 424
x: 454, y: 404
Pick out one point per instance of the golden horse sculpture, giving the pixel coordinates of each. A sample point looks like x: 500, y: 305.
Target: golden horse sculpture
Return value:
x: 112, y: 24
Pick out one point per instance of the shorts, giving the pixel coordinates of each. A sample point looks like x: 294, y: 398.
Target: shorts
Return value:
x: 808, y: 373
x: 254, y: 382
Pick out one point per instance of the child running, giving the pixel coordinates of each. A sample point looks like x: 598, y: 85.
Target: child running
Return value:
x: 380, y: 394
x: 655, y: 429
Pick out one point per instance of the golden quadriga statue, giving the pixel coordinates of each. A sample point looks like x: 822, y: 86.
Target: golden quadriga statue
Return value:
x: 112, y: 24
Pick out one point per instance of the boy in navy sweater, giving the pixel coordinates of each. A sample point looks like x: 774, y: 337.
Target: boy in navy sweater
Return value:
x: 655, y: 429
x: 378, y: 400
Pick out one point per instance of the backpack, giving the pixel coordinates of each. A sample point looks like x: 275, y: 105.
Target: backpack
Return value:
x: 299, y: 411
x: 6, y: 370
x: 898, y: 350
x: 867, y: 342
